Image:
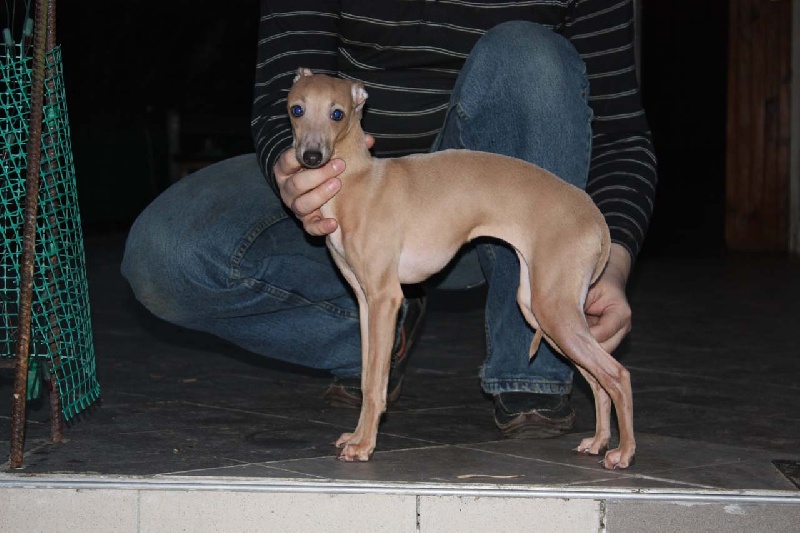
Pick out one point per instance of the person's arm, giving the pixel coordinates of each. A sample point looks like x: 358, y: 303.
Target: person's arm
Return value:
x: 300, y: 33
x: 622, y: 174
x: 607, y: 310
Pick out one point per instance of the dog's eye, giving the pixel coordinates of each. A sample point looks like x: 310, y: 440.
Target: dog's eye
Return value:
x: 297, y: 111
x: 337, y: 115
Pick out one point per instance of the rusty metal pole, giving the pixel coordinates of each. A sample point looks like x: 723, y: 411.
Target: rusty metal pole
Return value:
x: 56, y: 420
x: 34, y: 149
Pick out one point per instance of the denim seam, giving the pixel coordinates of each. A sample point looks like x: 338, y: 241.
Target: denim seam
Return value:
x: 489, y: 346
x: 456, y: 110
x: 288, y: 296
x: 281, y: 294
x: 247, y: 242
x: 463, y: 117
x: 585, y: 88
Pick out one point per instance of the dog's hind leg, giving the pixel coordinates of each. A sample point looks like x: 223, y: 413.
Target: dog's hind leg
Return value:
x: 578, y: 344
x: 597, y: 444
x: 557, y: 297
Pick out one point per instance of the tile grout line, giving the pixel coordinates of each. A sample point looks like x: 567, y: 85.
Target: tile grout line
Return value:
x: 601, y: 527
x: 138, y: 510
x: 419, y: 521
x: 648, y: 477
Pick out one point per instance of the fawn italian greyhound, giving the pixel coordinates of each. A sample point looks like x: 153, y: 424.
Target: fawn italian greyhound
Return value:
x: 401, y: 220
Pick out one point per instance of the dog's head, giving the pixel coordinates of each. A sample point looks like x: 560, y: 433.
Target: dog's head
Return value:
x: 322, y: 109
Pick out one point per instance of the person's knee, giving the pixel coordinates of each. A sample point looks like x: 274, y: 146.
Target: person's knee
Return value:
x: 524, y: 58
x: 161, y: 266
x: 523, y: 92
x: 520, y: 46
x: 178, y: 251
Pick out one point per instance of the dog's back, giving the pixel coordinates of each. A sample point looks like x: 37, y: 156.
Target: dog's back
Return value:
x: 486, y: 195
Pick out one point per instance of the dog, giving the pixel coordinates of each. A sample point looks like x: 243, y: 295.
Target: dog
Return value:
x: 401, y: 220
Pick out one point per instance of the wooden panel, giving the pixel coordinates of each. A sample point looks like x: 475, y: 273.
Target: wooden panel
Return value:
x: 759, y: 88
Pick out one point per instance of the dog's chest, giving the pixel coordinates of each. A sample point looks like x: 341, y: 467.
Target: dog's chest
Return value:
x: 334, y: 241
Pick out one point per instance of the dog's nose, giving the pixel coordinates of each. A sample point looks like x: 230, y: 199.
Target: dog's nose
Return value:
x: 312, y: 158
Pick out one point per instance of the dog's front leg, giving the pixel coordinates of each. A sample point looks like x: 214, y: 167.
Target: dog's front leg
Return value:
x: 379, y: 299
x: 383, y: 304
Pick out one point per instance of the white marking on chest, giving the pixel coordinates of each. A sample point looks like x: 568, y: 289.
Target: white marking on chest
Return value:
x: 335, y: 241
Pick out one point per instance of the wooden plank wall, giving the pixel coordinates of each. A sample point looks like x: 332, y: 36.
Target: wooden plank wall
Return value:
x: 757, y: 158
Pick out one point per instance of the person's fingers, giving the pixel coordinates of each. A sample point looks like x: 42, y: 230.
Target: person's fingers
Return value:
x: 286, y: 165
x: 605, y: 329
x: 305, y: 191
x: 610, y: 327
x: 613, y: 342
x: 315, y: 197
x: 319, y: 226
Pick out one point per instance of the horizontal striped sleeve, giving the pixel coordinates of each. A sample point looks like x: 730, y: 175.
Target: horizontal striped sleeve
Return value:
x: 623, y: 173
x: 408, y: 54
x: 300, y: 33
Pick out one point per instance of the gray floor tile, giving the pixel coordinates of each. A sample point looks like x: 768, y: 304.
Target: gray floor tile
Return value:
x: 445, y: 464
x: 712, y: 356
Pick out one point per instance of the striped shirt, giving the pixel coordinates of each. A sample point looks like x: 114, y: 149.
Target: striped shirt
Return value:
x: 408, y: 54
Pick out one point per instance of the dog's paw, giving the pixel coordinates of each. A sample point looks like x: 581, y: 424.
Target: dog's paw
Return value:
x: 618, y: 459
x: 343, y: 440
x: 355, y: 453
x: 352, y: 449
x: 592, y: 446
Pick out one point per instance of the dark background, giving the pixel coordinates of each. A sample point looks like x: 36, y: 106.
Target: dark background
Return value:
x: 128, y: 66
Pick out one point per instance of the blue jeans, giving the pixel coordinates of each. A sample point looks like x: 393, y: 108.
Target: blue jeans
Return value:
x: 218, y: 252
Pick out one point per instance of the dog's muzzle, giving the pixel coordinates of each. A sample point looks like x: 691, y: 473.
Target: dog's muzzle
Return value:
x: 312, y: 158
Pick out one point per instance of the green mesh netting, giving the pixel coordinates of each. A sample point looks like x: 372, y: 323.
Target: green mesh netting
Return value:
x: 61, y: 332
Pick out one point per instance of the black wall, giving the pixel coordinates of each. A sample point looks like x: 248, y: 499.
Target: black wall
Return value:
x: 684, y: 69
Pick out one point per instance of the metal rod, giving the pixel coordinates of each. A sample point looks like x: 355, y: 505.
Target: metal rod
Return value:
x: 54, y: 269
x: 19, y: 400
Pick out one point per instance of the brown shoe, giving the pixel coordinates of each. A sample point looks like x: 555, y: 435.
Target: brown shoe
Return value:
x: 346, y: 392
x: 532, y: 415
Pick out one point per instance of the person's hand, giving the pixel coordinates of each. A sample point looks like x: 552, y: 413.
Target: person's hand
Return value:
x: 607, y: 310
x: 305, y: 191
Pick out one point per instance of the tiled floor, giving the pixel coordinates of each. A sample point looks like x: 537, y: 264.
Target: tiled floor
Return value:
x: 713, y: 355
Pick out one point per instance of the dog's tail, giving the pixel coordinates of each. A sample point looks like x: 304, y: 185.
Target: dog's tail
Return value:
x: 537, y: 340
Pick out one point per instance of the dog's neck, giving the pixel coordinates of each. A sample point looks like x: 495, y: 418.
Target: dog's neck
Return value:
x: 352, y: 148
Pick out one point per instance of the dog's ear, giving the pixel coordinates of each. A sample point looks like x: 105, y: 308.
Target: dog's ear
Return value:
x: 359, y: 96
x: 302, y: 72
